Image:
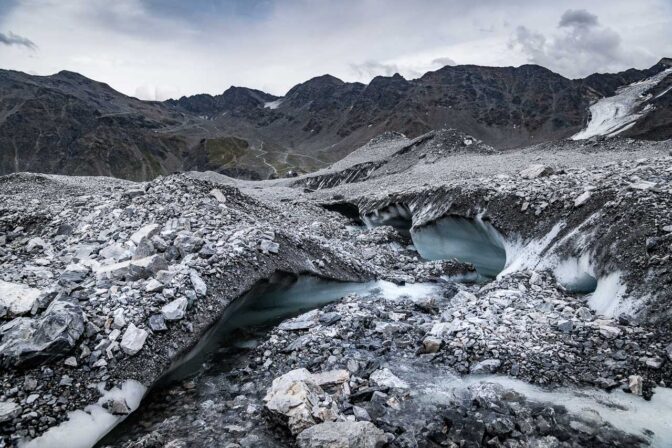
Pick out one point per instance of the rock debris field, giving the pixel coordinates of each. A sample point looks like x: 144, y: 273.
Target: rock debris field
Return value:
x: 106, y: 285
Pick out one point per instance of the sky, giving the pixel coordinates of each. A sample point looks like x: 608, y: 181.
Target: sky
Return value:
x: 158, y: 49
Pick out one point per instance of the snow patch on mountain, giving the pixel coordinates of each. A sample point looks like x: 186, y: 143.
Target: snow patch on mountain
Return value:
x: 615, y: 114
x: 273, y: 104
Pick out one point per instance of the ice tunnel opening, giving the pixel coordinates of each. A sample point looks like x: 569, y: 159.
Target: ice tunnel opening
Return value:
x: 474, y: 241
x: 347, y: 209
x: 398, y: 216
x: 576, y: 275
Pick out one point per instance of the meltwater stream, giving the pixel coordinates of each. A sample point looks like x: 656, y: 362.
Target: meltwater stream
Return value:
x: 244, y: 323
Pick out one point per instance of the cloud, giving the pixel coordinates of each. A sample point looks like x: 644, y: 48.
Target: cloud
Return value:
x: 208, y: 45
x: 577, y: 17
x: 15, y: 39
x: 580, y: 47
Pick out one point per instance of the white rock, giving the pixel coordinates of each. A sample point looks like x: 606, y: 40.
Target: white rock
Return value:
x: 609, y: 332
x: 642, y: 185
x: 70, y: 362
x: 217, y: 194
x: 133, y: 339
x: 295, y: 398
x: 17, y: 298
x: 147, y: 231
x: 176, y: 309
x: 8, y: 411
x: 534, y: 171
x: 198, y: 283
x: 635, y: 384
x: 385, y: 378
x: 119, y: 318
x: 332, y: 377
x: 582, y: 199
x: 153, y: 286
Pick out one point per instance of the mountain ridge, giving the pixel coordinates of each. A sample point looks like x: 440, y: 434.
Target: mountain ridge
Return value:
x: 69, y: 124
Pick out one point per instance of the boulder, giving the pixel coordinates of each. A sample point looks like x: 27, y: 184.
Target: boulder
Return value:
x: 385, y: 378
x: 116, y: 252
x: 535, y: 171
x: 133, y: 339
x: 31, y: 341
x: 18, y: 299
x: 294, y: 401
x: 342, y: 435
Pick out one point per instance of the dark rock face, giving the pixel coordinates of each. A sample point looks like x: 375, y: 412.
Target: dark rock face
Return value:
x: 27, y: 341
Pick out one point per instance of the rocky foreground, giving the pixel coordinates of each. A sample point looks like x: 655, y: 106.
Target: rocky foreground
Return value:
x: 107, y: 283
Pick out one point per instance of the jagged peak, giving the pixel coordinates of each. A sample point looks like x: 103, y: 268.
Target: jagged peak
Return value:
x: 666, y: 62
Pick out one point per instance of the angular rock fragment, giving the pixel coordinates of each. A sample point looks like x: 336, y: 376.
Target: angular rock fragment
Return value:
x: 176, y: 309
x: 197, y: 282
x: 133, y: 339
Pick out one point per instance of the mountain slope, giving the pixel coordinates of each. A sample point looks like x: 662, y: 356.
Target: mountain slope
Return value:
x: 66, y: 123
x: 69, y: 124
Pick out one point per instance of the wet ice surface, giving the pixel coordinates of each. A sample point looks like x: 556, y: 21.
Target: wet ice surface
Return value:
x: 612, y: 115
x: 467, y: 240
x: 84, y: 428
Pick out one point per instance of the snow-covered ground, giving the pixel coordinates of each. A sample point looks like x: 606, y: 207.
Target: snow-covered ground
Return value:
x: 615, y: 114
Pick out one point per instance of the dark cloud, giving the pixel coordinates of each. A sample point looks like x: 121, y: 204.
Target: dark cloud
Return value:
x: 582, y: 46
x: 15, y: 39
x: 578, y: 17
x: 443, y: 61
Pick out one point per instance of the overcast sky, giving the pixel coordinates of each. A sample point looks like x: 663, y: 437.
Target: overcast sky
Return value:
x: 155, y: 49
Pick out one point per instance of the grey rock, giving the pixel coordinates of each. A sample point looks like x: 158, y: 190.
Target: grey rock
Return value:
x: 157, y: 323
x: 34, y: 340
x: 74, y: 273
x: 486, y: 366
x: 565, y: 325
x: 187, y: 243
x: 342, y: 435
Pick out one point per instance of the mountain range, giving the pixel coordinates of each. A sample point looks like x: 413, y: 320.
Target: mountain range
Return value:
x: 69, y: 124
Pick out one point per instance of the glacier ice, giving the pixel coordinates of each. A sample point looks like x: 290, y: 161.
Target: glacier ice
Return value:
x: 468, y: 240
x: 613, y: 115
